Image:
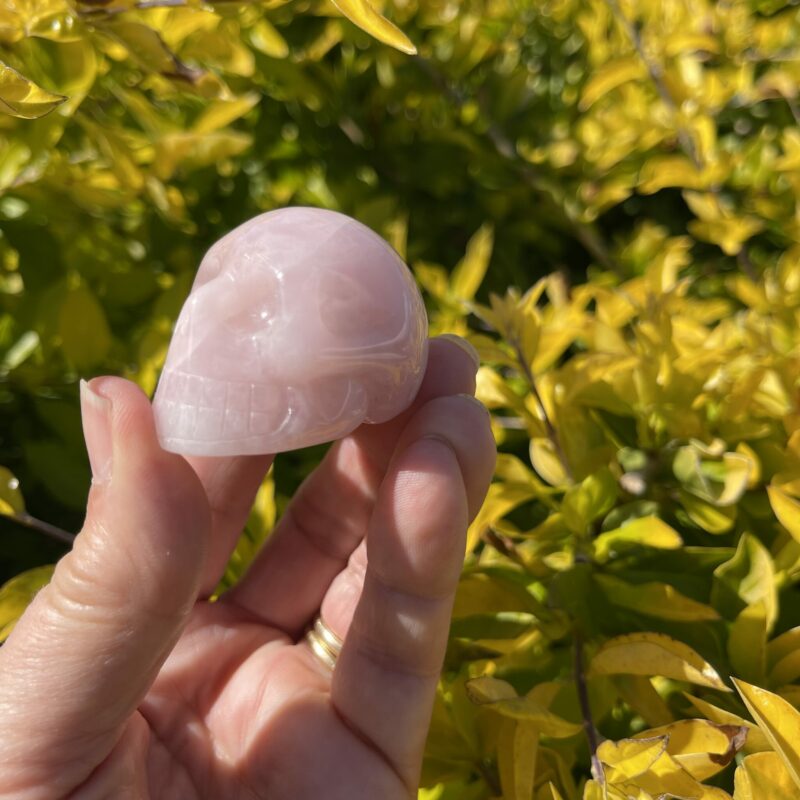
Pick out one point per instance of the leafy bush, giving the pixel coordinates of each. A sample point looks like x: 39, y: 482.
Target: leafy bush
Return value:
x: 627, y: 623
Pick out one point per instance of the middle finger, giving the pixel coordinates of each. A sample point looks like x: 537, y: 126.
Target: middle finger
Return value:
x: 328, y: 517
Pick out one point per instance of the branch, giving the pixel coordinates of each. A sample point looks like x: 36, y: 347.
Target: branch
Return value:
x: 54, y: 532
x: 592, y: 736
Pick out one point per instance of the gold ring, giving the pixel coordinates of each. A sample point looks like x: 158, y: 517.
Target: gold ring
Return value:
x: 324, y: 643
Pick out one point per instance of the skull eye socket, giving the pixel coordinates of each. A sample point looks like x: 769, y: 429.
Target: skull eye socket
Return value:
x: 351, y: 305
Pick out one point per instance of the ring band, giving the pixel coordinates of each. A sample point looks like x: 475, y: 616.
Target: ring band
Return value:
x: 324, y: 643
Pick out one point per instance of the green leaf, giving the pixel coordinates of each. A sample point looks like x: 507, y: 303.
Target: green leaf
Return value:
x: 747, y: 578
x: 16, y: 595
x: 83, y: 328
x: 502, y: 625
x: 363, y: 14
x: 21, y: 97
x: 592, y: 499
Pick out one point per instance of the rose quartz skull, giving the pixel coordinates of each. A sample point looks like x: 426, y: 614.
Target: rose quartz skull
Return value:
x: 301, y: 324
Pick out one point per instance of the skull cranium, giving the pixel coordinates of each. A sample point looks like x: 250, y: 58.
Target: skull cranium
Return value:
x: 301, y: 324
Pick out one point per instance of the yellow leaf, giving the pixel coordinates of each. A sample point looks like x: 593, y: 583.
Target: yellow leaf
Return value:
x: 548, y: 792
x: 779, y: 721
x: 500, y: 499
x: 706, y: 515
x: 610, y: 76
x: 266, y: 38
x: 781, y: 646
x: 629, y: 758
x: 702, y: 748
x: 21, y: 97
x: 786, y: 509
x: 500, y: 696
x: 762, y: 776
x: 645, y: 531
x: 640, y: 694
x: 747, y: 642
x: 222, y: 112
x: 756, y: 741
x: 659, y: 172
x: 489, y: 690
x: 547, y: 463
x: 16, y: 595
x: 11, y: 501
x: 654, y: 599
x: 655, y: 654
x: 432, y: 278
x: 362, y: 13
x: 517, y: 747
x: 470, y: 271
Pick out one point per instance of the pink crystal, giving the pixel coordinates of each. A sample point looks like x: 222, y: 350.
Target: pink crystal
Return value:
x: 301, y: 324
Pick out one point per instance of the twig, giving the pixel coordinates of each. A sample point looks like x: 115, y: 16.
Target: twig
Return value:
x: 592, y: 736
x: 505, y: 546
x: 552, y: 433
x: 54, y: 532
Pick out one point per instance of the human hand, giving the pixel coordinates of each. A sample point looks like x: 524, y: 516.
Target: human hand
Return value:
x: 121, y: 681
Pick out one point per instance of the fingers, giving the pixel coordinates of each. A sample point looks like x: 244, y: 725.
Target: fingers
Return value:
x: 385, y: 679
x: 86, y: 651
x: 230, y: 484
x: 328, y: 516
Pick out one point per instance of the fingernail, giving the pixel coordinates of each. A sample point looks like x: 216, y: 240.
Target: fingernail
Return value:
x: 464, y: 345
x: 474, y: 401
x: 96, y: 416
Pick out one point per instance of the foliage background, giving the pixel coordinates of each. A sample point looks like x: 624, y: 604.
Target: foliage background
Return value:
x: 640, y: 546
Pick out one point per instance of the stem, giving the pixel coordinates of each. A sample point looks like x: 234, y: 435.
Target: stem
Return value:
x: 54, y: 532
x: 552, y: 433
x: 592, y: 736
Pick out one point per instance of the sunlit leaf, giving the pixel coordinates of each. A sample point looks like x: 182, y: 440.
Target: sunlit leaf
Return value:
x: 16, y: 595
x: 779, y: 721
x: 655, y: 654
x: 468, y: 274
x: 644, y: 532
x: 363, y: 14
x: 763, y: 776
x: 21, y: 97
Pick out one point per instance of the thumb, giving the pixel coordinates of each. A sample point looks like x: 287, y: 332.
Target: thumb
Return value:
x: 86, y: 651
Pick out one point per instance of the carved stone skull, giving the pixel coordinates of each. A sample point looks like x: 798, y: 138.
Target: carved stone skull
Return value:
x: 301, y: 324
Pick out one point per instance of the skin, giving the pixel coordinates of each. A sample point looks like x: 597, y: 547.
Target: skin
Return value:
x: 121, y: 681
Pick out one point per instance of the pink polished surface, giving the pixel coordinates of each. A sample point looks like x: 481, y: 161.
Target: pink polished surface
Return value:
x: 301, y: 324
